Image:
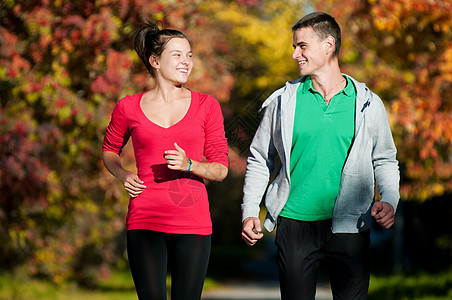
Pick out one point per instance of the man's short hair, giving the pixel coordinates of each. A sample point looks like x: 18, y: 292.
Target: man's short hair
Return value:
x: 323, y: 25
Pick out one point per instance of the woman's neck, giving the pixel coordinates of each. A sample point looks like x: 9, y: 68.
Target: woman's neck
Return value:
x: 166, y: 92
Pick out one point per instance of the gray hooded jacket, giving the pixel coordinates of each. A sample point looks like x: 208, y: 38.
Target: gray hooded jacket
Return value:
x: 371, y: 159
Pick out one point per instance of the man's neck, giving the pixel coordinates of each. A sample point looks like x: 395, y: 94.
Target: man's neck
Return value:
x: 327, y: 79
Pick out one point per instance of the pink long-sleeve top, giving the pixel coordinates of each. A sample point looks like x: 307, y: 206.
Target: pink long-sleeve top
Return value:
x: 173, y: 201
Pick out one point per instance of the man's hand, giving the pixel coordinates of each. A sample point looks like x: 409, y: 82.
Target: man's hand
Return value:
x: 251, y: 231
x: 383, y: 213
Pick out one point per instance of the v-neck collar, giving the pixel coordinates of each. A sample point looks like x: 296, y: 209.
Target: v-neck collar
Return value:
x: 186, y: 119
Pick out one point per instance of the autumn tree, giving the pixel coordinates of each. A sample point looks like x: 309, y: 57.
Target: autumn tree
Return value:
x: 63, y: 66
x: 400, y: 48
x: 403, y: 50
x: 260, y: 38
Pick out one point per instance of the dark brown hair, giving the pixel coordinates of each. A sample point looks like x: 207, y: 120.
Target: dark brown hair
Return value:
x: 323, y: 25
x: 151, y: 40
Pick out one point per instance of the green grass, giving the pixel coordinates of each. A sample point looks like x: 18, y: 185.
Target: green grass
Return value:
x: 421, y: 286
x: 118, y: 287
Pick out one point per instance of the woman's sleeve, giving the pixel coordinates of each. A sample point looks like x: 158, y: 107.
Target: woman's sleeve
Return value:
x: 216, y: 144
x: 117, y: 133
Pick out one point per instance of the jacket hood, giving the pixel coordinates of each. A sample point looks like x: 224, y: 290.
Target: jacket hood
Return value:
x: 363, y: 94
x: 290, y: 87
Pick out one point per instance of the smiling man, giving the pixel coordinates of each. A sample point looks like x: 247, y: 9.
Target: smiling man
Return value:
x: 334, y: 143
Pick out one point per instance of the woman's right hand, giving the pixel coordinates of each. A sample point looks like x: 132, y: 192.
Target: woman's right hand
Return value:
x: 132, y: 183
x: 130, y: 180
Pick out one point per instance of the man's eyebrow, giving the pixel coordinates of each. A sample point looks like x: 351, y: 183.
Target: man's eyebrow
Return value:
x: 300, y: 44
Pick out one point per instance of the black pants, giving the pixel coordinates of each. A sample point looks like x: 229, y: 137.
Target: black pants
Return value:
x: 301, y: 245
x: 151, y: 252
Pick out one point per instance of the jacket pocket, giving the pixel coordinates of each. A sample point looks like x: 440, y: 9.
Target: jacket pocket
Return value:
x: 355, y: 196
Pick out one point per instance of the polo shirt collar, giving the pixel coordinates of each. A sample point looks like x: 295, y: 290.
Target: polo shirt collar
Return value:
x: 307, y: 86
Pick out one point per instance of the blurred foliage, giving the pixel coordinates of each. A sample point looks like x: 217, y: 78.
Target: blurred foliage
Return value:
x: 402, y: 49
x: 261, y: 39
x: 64, y: 64
x: 405, y: 287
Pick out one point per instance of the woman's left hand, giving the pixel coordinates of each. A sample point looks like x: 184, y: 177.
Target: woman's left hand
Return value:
x: 177, y: 159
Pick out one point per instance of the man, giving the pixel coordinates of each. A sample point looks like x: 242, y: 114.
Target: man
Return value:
x: 333, y: 140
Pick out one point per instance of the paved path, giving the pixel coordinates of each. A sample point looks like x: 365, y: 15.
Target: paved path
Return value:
x: 256, y: 290
x: 262, y: 283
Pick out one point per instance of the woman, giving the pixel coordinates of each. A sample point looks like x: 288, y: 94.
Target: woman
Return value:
x: 178, y: 139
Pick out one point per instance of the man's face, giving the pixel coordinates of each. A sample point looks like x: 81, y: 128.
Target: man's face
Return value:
x: 309, y: 51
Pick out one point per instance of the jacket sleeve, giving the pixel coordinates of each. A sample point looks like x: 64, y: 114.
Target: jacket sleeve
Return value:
x: 260, y: 164
x: 386, y: 166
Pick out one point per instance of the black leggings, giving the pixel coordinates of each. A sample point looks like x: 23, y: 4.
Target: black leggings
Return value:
x: 150, y: 253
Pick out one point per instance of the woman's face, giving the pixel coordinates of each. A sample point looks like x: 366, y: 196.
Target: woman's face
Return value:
x: 176, y: 62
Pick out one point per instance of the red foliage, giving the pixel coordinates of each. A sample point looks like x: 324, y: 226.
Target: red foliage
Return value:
x: 23, y: 176
x: 64, y: 65
x: 413, y: 78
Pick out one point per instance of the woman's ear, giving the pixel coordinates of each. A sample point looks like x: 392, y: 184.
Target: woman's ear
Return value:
x: 154, y: 62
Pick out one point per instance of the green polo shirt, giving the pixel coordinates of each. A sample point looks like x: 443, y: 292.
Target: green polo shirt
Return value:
x: 322, y: 136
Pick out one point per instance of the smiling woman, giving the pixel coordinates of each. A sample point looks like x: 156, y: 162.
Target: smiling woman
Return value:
x: 179, y: 140
x: 175, y: 61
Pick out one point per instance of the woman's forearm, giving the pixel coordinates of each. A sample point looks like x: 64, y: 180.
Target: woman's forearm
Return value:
x: 113, y: 164
x: 210, y: 171
x: 133, y: 185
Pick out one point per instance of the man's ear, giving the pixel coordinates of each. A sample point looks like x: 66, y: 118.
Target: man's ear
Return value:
x: 330, y: 45
x: 154, y: 62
